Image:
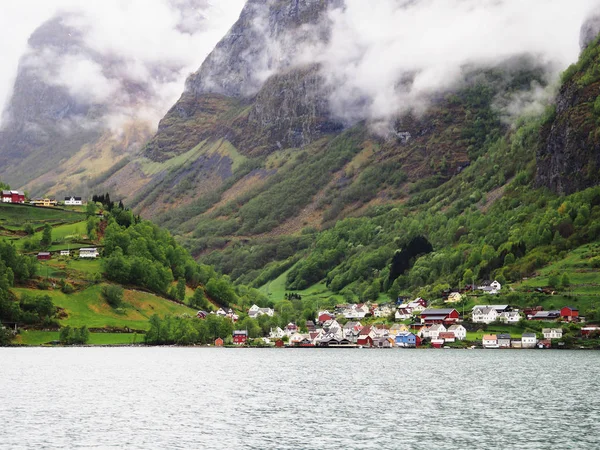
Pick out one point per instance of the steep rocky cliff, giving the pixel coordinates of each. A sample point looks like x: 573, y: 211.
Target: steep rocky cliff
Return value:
x: 568, y: 158
x: 281, y: 102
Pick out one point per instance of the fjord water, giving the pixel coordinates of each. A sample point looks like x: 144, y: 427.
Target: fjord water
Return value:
x: 213, y: 398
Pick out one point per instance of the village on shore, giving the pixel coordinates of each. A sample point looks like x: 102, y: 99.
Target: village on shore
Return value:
x: 418, y: 325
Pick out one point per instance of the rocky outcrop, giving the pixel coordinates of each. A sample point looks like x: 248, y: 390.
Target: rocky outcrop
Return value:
x: 568, y: 158
x: 262, y: 42
x: 291, y: 110
x: 253, y: 89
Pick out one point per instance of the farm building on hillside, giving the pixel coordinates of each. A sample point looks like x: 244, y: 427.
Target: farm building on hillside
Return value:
x: 44, y: 256
x: 13, y: 197
x: 88, y: 253
x: 73, y: 201
x: 43, y: 202
x: 65, y: 253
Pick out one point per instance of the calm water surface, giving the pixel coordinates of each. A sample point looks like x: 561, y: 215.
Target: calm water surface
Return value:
x: 298, y: 399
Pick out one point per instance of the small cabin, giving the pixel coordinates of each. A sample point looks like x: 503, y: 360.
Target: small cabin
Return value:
x: 42, y: 256
x: 219, y: 342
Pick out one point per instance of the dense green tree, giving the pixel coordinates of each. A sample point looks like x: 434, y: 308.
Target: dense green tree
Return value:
x: 199, y: 299
x: 113, y: 294
x: 46, y: 240
x: 565, y: 281
x: 181, y: 289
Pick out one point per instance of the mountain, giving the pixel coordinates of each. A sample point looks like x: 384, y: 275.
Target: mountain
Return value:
x: 54, y: 136
x: 258, y: 171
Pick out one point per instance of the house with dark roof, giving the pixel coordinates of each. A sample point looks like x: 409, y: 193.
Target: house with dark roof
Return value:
x: 504, y: 340
x: 547, y: 316
x: 431, y: 316
x: 73, y: 201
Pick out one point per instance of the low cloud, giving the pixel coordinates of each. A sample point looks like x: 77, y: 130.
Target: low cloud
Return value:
x: 392, y: 56
x: 130, y: 57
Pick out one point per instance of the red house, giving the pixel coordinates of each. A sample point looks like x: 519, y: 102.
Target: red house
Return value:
x: 44, y: 256
x: 279, y: 343
x: 569, y: 314
x: 435, y: 316
x: 365, y: 337
x: 240, y: 337
x: 218, y: 342
x: 325, y: 316
x: 13, y: 197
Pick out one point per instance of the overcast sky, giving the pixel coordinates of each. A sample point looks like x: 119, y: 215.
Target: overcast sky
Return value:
x: 143, y: 31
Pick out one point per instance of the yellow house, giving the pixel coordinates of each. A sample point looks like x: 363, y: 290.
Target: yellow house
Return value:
x: 398, y: 328
x: 43, y: 202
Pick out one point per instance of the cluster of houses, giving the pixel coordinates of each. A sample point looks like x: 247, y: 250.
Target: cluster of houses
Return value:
x: 19, y: 197
x: 505, y: 314
x: 85, y: 253
x: 438, y: 326
x: 527, y: 340
x: 226, y: 313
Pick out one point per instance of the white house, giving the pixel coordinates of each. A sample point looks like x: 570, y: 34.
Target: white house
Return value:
x: 276, y: 333
x: 490, y: 287
x: 483, y: 314
x: 435, y: 330
x: 528, y: 340
x: 490, y: 341
x: 65, y: 253
x: 418, y: 305
x: 353, y: 313
x: 73, y: 201
x: 552, y: 333
x: 255, y: 312
x: 459, y: 331
x: 423, y: 333
x: 402, y: 314
x: 504, y: 340
x: 382, y: 311
x: 509, y: 317
x: 88, y: 253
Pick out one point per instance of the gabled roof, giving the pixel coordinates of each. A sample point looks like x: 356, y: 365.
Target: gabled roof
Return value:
x: 529, y: 335
x: 455, y: 327
x: 570, y: 307
x: 365, y: 331
x: 504, y: 336
x: 490, y: 337
x: 437, y: 312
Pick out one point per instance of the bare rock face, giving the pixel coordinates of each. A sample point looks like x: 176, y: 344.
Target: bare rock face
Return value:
x: 263, y: 41
x: 291, y: 110
x: 568, y: 157
x: 257, y: 65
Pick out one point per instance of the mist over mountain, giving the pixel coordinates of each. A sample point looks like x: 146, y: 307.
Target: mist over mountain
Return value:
x: 101, y: 70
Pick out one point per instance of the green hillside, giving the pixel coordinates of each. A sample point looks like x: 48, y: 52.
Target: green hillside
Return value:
x: 336, y: 215
x: 141, y: 274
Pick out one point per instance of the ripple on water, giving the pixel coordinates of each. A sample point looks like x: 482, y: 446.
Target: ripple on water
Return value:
x: 297, y: 399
